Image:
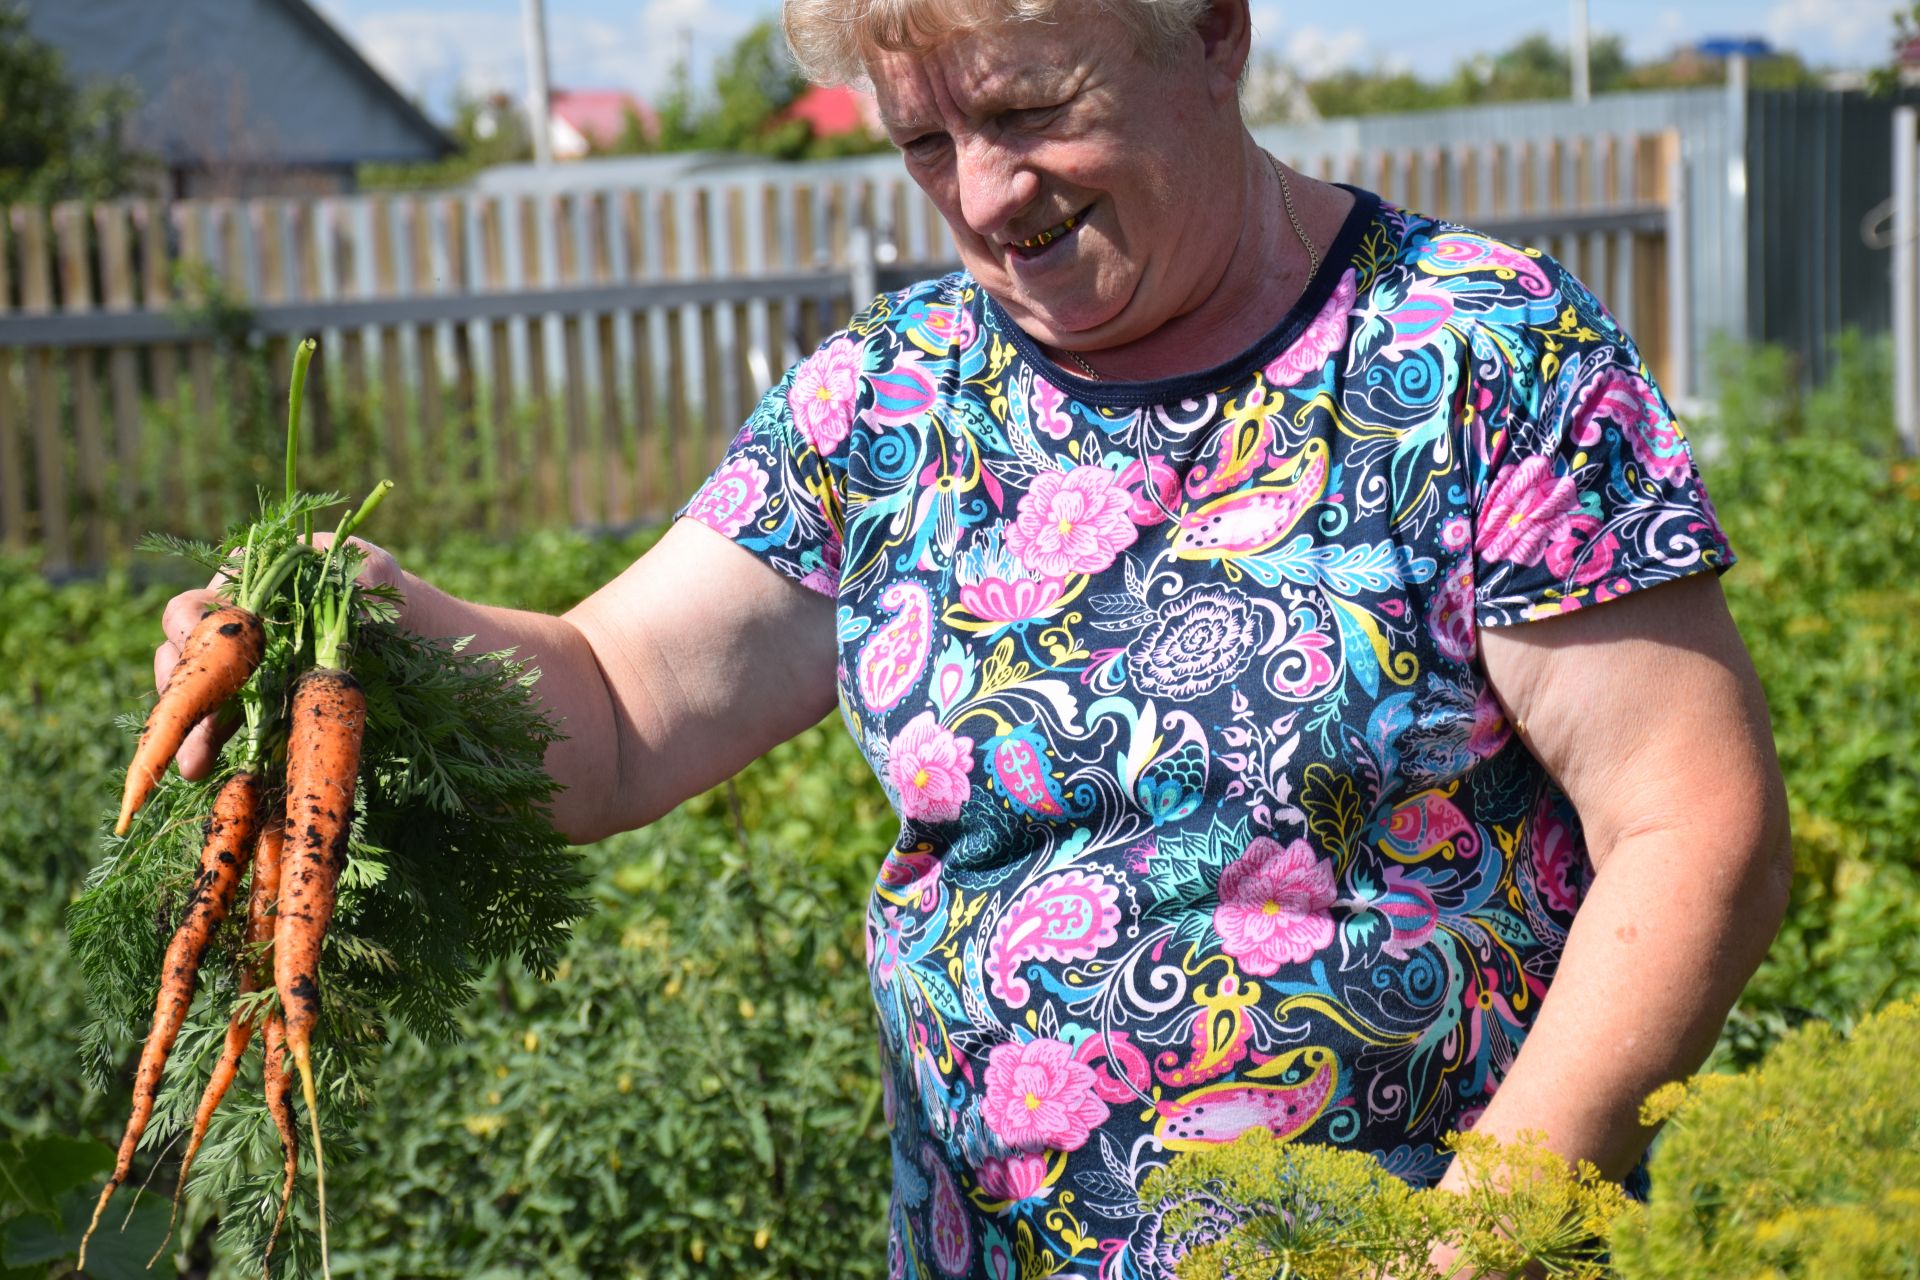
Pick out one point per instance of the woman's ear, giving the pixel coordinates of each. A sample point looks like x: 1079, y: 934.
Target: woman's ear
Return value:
x: 1226, y: 41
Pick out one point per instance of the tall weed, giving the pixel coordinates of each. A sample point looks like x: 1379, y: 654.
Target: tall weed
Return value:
x: 1826, y: 521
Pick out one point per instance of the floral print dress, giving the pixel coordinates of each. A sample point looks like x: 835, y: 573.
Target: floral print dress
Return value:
x: 1209, y: 819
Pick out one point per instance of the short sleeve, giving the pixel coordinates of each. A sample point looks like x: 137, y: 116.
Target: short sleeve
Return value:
x: 779, y: 491
x: 1584, y: 487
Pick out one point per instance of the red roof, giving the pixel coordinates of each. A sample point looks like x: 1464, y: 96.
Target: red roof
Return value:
x: 837, y: 110
x: 600, y: 115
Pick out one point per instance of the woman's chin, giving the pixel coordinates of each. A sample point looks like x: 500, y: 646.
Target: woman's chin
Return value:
x: 1070, y: 320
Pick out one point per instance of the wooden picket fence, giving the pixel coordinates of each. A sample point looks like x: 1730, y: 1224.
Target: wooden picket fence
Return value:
x: 579, y: 358
x: 1612, y: 207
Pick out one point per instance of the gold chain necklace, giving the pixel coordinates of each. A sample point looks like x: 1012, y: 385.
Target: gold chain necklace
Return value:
x: 1293, y: 216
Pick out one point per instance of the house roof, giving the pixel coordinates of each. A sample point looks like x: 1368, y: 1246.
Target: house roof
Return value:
x: 600, y: 115
x: 834, y: 110
x: 240, y: 82
x: 357, y: 65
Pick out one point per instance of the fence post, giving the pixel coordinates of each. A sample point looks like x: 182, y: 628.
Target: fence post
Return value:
x: 1679, y: 274
x: 1906, y: 276
x: 862, y: 276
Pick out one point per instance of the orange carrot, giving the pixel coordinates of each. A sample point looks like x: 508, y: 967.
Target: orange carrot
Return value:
x: 229, y: 834
x: 279, y: 1091
x: 323, y: 761
x: 220, y: 653
x: 261, y: 901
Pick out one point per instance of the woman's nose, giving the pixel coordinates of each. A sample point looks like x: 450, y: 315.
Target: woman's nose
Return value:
x: 994, y: 186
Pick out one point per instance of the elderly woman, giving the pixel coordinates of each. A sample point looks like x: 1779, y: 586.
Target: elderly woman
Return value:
x: 1280, y: 619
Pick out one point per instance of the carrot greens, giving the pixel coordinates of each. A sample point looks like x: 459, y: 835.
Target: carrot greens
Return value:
x: 432, y: 840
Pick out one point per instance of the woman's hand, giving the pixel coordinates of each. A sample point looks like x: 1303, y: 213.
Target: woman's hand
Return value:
x: 201, y: 750
x: 695, y: 661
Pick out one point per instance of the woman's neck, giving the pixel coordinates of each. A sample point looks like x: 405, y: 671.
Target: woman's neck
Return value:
x: 1257, y: 284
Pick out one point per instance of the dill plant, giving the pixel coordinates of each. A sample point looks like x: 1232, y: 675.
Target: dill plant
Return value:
x: 1808, y: 1166
x: 1311, y: 1212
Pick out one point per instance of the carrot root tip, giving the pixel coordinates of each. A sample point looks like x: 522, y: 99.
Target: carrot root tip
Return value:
x: 94, y: 1225
x: 302, y: 1060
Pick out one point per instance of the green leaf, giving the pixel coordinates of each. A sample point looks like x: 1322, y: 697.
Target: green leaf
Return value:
x: 34, y: 1174
x: 112, y: 1254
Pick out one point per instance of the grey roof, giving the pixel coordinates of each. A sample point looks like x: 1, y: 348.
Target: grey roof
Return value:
x: 267, y: 82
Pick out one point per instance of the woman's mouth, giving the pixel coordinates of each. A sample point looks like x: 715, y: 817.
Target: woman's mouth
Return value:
x: 1045, y: 241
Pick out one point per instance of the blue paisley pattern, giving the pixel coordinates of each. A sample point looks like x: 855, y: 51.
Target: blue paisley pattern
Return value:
x: 1209, y: 818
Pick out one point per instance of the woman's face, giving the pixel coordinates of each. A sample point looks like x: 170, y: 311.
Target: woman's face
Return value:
x: 1091, y: 191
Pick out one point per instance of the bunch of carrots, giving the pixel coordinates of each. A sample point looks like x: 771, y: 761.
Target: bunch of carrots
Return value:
x: 291, y: 831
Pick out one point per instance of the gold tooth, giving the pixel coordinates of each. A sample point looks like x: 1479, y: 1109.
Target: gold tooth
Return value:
x: 1049, y: 236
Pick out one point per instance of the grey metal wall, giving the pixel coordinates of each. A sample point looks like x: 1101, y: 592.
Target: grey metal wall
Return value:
x: 1820, y: 164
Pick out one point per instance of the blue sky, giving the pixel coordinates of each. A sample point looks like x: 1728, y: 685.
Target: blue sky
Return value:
x: 432, y: 47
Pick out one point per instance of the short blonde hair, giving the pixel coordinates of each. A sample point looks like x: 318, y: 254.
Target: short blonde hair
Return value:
x: 830, y: 38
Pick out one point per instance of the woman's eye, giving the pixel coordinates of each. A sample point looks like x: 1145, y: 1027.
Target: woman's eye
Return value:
x: 924, y: 147
x: 1033, y: 117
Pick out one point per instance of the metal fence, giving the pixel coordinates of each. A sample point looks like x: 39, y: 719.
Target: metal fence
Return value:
x: 597, y: 344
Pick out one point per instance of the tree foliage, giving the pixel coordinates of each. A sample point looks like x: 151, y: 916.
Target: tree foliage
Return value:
x: 487, y: 129
x: 744, y: 108
x: 59, y: 141
x: 1532, y: 69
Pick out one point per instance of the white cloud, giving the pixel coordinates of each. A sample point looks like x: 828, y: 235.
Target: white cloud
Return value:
x: 433, y: 53
x: 1316, y: 51
x: 1852, y: 30
x: 1312, y: 50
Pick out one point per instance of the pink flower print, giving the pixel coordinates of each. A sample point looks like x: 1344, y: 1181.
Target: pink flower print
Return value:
x: 1102, y: 1050
x: 821, y: 396
x: 1040, y: 1097
x: 1155, y: 489
x: 1630, y: 401
x: 996, y: 587
x: 1326, y: 335
x: 947, y: 1218
x: 1559, y: 864
x: 1072, y: 522
x: 928, y: 766
x: 1011, y: 600
x: 1579, y: 557
x: 1456, y: 533
x: 1022, y: 1176
x: 1488, y: 731
x: 1048, y: 410
x: 1527, y: 508
x: 1450, y: 618
x: 1274, y: 905
x: 731, y: 497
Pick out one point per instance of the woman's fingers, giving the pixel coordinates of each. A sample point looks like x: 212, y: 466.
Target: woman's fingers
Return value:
x: 379, y: 569
x: 201, y: 749
x: 200, y: 752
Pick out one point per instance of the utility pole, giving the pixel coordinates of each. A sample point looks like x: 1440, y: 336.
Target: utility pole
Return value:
x: 534, y: 14
x: 1582, y: 65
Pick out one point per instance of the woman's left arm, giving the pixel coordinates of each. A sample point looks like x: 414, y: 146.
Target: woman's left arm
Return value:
x: 1648, y: 713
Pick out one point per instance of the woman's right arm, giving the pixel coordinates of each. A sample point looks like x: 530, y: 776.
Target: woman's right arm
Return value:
x: 667, y: 681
